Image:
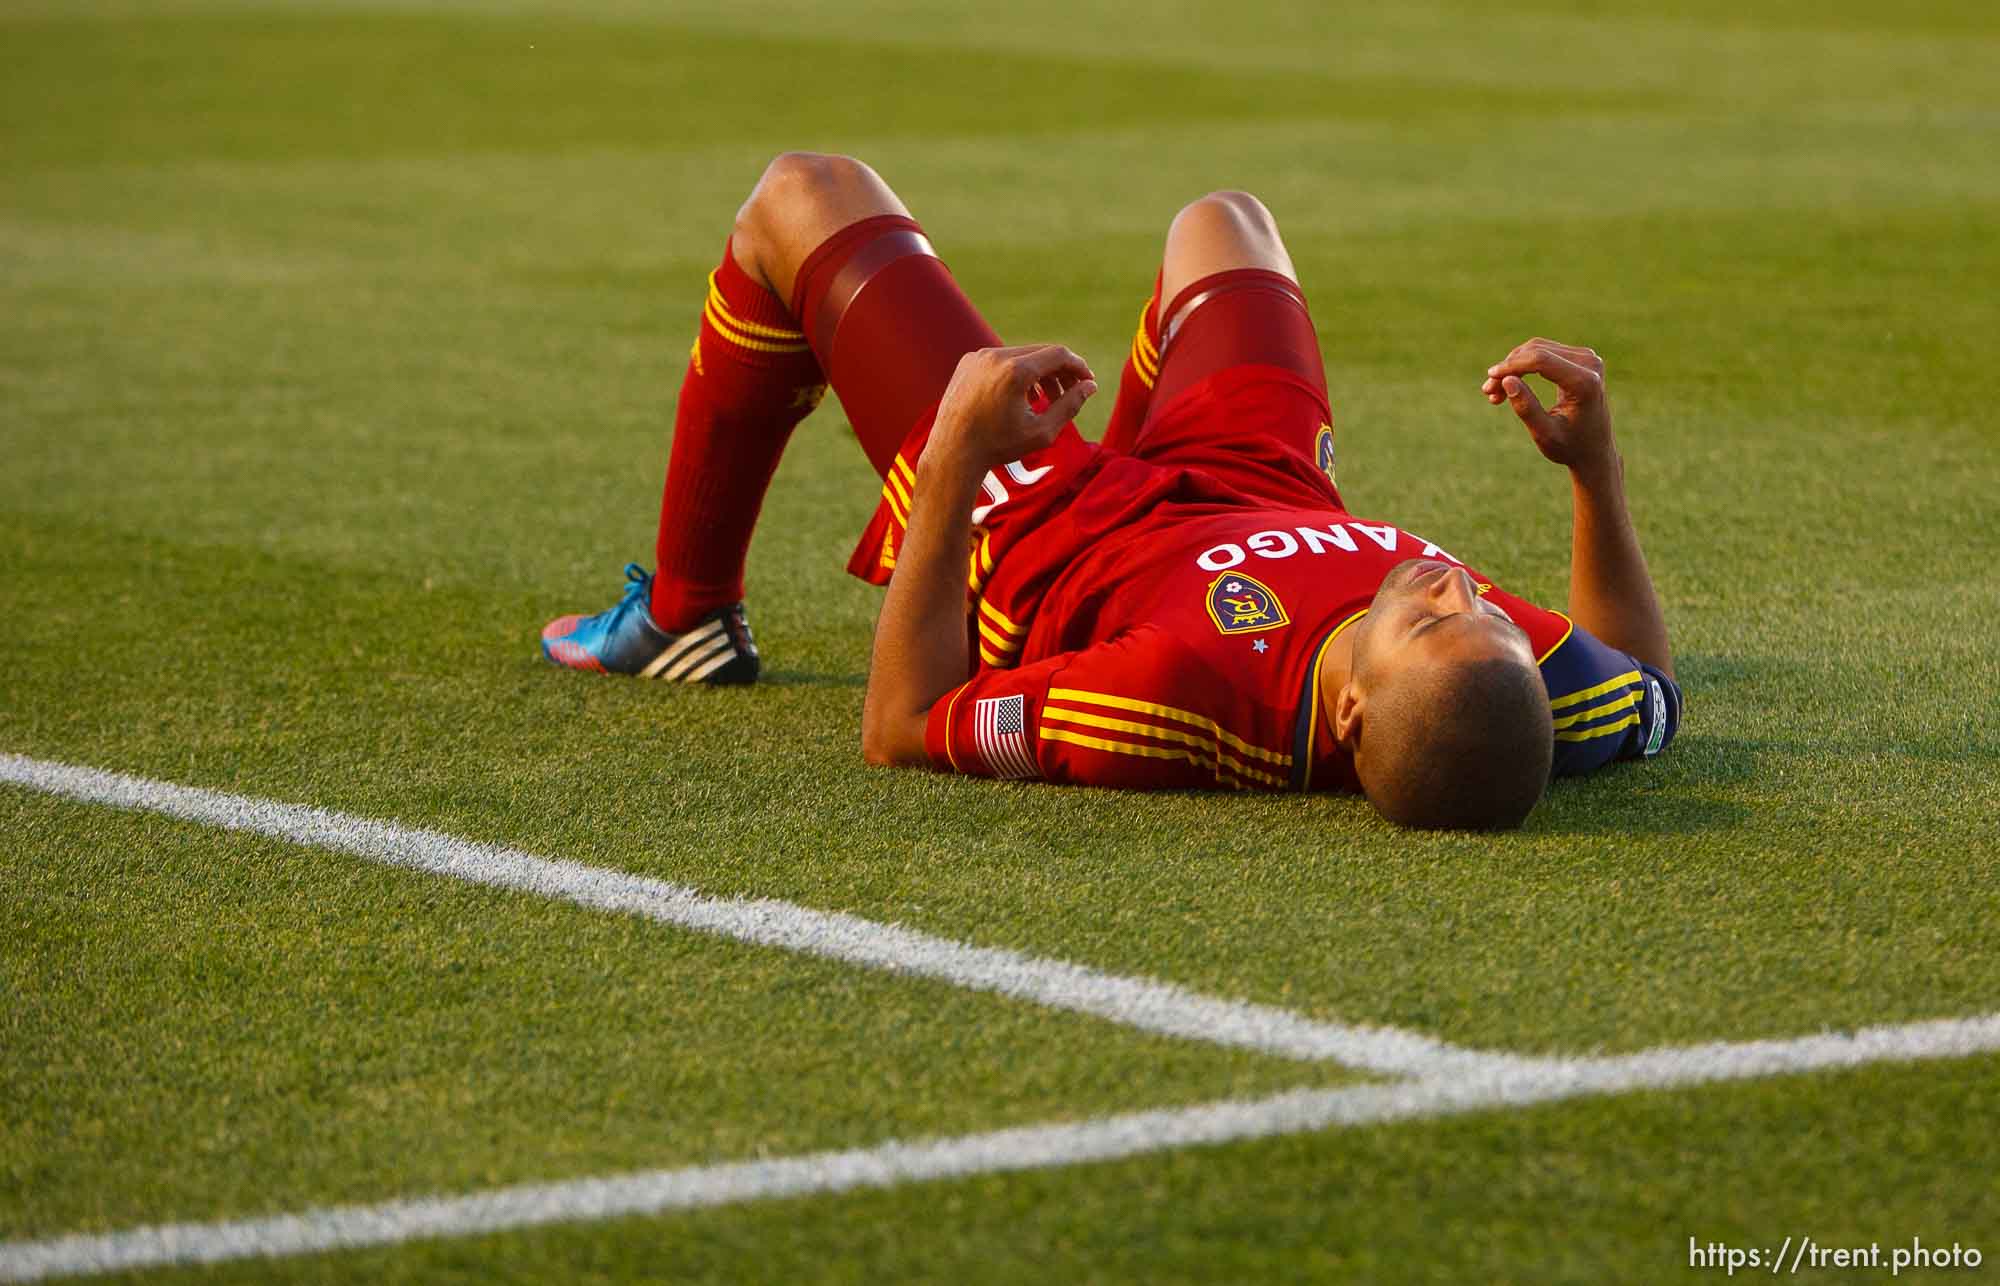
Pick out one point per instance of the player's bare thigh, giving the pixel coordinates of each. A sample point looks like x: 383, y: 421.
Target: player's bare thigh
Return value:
x: 802, y: 199
x: 1217, y: 233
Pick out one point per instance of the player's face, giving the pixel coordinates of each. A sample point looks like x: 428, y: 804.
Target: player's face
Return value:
x: 1428, y: 612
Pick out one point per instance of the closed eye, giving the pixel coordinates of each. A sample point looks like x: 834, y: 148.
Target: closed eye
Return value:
x: 1429, y: 621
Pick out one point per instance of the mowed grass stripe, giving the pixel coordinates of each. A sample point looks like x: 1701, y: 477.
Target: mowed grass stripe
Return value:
x: 1141, y: 1003
x: 999, y: 1151
x: 203, y: 1024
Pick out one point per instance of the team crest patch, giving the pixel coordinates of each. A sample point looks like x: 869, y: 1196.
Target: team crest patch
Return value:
x: 1240, y: 604
x: 1323, y: 451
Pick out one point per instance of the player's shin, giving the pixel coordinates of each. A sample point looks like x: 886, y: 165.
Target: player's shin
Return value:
x: 889, y: 324
x: 751, y: 378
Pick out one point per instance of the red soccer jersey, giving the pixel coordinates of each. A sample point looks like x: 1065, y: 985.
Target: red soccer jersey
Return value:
x: 1148, y: 626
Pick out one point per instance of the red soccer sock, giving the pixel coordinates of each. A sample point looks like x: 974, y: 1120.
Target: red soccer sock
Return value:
x: 889, y: 324
x: 1135, y: 384
x: 750, y: 379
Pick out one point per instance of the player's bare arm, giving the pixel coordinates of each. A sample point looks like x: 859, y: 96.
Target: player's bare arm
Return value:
x: 984, y: 420
x: 1610, y: 590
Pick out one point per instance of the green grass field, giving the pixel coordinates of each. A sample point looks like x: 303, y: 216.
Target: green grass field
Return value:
x: 338, y: 350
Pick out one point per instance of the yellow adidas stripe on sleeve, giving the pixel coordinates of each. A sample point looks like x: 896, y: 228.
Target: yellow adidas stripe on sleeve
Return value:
x: 1574, y: 698
x: 1066, y: 715
x: 1591, y: 734
x: 1169, y: 712
x: 1598, y: 712
x: 1144, y: 752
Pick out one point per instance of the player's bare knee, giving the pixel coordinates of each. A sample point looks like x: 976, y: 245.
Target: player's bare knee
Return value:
x: 787, y: 182
x: 801, y: 198
x: 1225, y: 230
x: 1226, y: 213
x: 796, y: 183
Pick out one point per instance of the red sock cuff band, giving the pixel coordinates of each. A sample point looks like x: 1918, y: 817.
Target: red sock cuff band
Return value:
x: 1197, y: 293
x: 838, y: 267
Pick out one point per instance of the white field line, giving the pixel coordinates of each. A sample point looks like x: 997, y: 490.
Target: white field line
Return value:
x: 998, y: 1151
x: 1143, y: 1003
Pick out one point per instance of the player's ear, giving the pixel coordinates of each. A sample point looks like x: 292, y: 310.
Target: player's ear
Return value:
x: 1347, y: 711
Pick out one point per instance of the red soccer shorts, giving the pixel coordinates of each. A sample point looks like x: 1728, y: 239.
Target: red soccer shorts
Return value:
x: 1242, y: 391
x: 1241, y: 398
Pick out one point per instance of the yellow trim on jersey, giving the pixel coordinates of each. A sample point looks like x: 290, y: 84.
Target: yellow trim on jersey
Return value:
x: 979, y: 564
x: 902, y: 492
x: 902, y: 466
x: 997, y: 661
x: 950, y: 711
x: 1067, y: 715
x: 1000, y: 619
x: 1585, y: 694
x: 896, y: 511
x: 1312, y: 695
x: 1569, y: 628
x: 748, y: 327
x: 1598, y: 712
x: 727, y: 330
x: 1589, y: 734
x: 1144, y: 752
x: 1188, y: 717
x: 1001, y: 643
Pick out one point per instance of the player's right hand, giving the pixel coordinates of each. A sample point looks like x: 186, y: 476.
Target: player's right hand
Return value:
x: 1577, y: 432
x: 986, y: 413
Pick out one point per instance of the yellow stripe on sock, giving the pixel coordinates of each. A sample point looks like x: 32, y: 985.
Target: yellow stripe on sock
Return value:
x: 748, y: 327
x: 723, y: 328
x: 1145, y: 341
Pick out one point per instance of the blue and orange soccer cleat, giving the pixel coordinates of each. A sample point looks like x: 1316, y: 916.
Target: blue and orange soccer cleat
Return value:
x: 624, y: 640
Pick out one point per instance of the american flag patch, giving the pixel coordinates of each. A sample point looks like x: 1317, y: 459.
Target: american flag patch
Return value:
x: 1000, y: 732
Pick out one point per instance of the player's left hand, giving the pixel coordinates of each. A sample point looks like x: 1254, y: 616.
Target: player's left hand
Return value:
x: 987, y: 416
x: 1577, y: 431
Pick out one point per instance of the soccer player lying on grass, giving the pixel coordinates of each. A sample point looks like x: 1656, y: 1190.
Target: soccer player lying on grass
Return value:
x: 1188, y: 603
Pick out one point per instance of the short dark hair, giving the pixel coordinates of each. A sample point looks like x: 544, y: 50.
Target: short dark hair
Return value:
x: 1464, y: 746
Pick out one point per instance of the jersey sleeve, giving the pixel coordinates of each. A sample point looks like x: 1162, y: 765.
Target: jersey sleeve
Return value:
x: 1607, y: 704
x: 1124, y: 713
